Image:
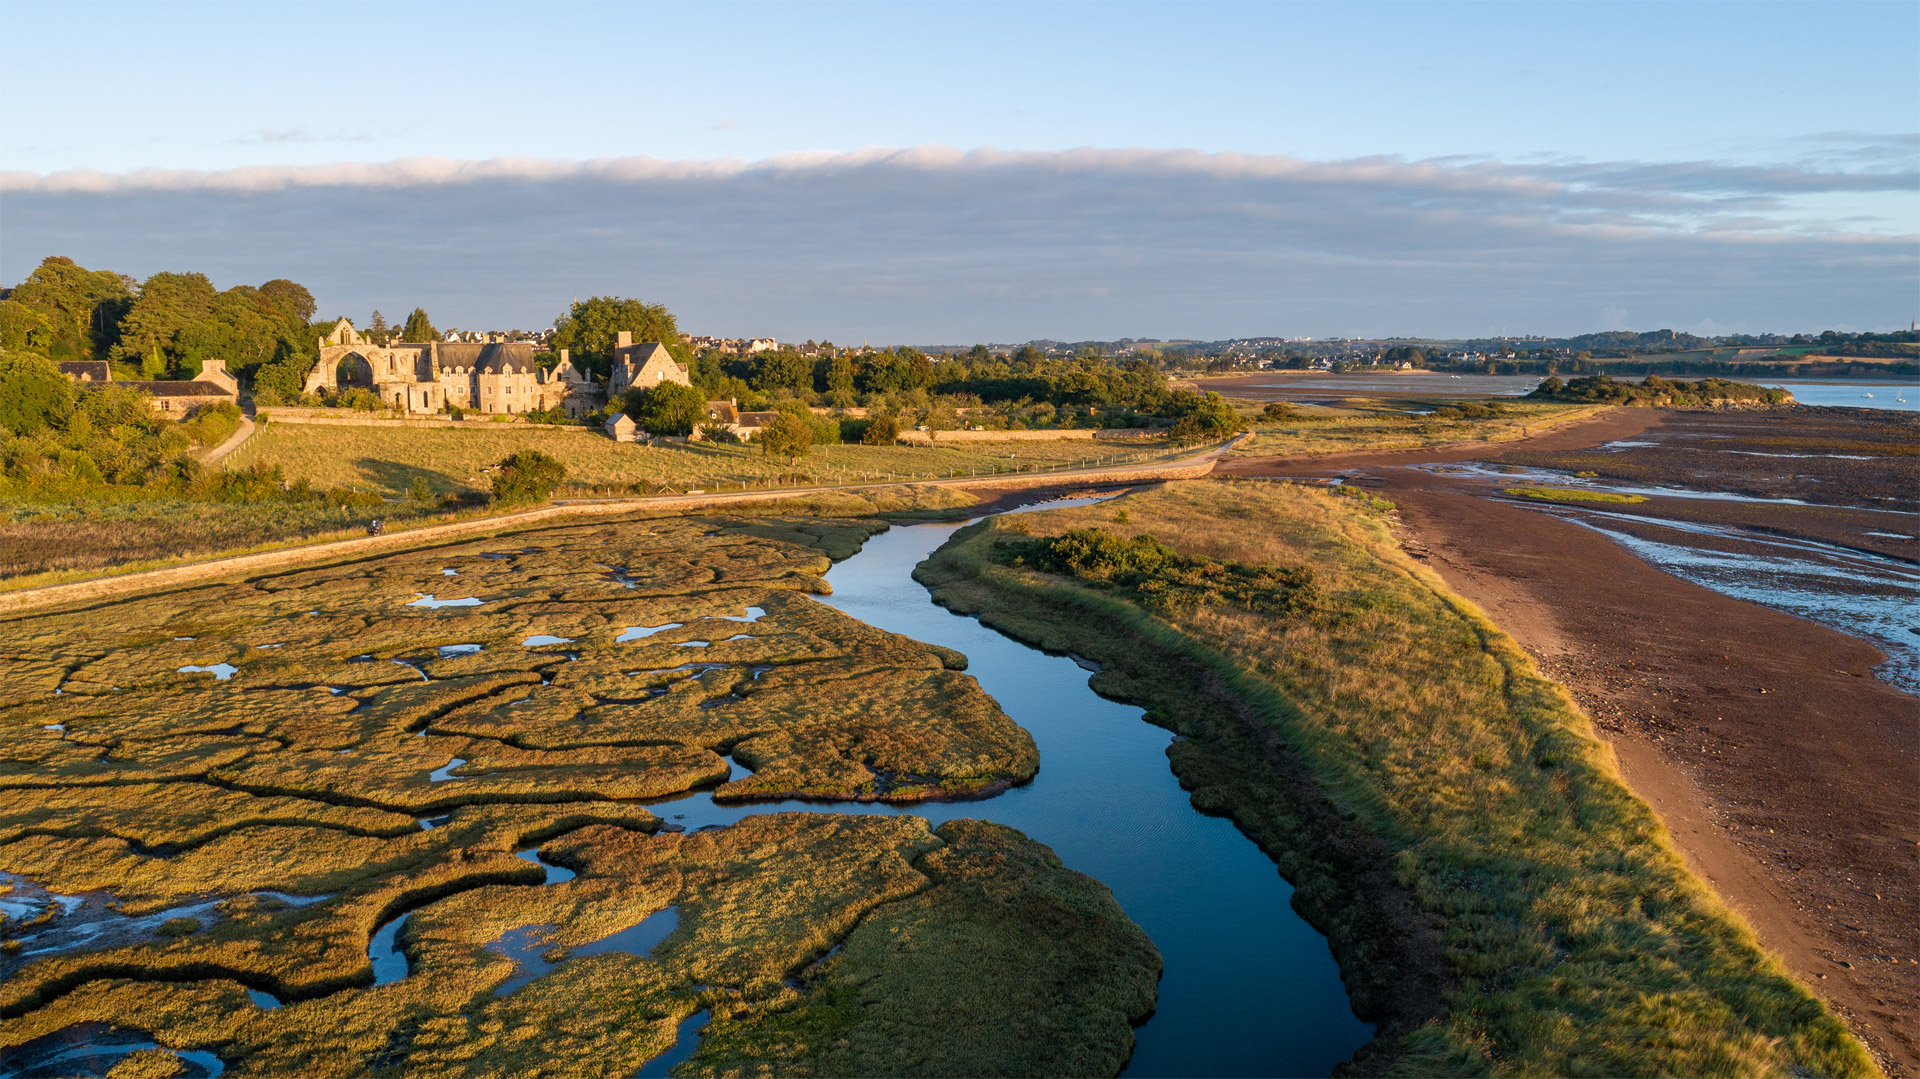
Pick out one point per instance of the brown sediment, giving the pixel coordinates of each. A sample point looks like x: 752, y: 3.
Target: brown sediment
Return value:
x: 1785, y: 771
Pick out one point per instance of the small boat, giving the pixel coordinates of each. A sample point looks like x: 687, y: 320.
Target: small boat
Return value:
x: 1868, y: 396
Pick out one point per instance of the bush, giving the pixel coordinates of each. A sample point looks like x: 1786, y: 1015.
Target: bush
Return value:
x: 349, y: 498
x: 33, y: 394
x: 420, y: 490
x: 1279, y: 411
x: 882, y: 430
x: 527, y: 478
x: 1160, y: 576
x: 786, y: 435
x: 255, y: 483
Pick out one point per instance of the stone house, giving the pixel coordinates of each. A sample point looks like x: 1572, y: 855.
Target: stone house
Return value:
x: 646, y: 365
x: 621, y: 428
x: 211, y: 386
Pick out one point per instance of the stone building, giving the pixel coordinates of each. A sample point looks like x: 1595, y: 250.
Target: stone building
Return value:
x: 493, y: 377
x: 646, y: 365
x: 211, y: 386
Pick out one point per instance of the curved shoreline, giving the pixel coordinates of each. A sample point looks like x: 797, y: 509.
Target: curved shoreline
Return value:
x: 1782, y: 768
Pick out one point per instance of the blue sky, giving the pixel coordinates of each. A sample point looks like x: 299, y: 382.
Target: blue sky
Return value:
x: 798, y: 169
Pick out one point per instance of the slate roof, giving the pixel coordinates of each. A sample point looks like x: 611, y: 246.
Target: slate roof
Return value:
x: 88, y: 370
x: 196, y: 388
x: 501, y: 357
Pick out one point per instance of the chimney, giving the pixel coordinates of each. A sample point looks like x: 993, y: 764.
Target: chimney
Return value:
x: 563, y: 356
x: 623, y: 339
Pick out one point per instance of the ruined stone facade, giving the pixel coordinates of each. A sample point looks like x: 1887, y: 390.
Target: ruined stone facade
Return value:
x: 437, y: 376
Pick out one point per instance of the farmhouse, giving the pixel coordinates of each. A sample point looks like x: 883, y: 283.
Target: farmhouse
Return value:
x: 212, y: 385
x: 646, y: 365
x: 437, y: 376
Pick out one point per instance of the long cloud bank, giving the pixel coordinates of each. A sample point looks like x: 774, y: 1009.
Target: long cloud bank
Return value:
x: 931, y: 244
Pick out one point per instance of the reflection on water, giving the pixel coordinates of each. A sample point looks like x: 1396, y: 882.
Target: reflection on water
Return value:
x: 1885, y: 395
x: 1249, y: 987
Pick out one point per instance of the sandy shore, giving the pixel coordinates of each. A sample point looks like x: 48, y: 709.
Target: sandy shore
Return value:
x: 1785, y: 771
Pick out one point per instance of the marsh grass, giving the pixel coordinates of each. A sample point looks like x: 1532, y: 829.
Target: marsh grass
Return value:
x: 1494, y: 893
x: 1370, y: 425
x: 1573, y: 494
x: 308, y: 770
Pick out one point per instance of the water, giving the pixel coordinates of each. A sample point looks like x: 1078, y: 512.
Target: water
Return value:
x: 1855, y: 592
x: 524, y: 946
x: 1249, y: 988
x: 93, y: 1049
x: 1333, y: 387
x: 1851, y: 393
x: 430, y: 601
x: 686, y: 1040
x: 220, y: 671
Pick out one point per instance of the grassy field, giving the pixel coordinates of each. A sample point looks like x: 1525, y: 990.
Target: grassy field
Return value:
x: 389, y: 459
x: 1498, y: 900
x: 1375, y: 426
x: 200, y: 754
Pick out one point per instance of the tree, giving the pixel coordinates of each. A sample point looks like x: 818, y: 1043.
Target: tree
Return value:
x: 786, y: 435
x: 33, y: 394
x: 591, y: 327
x: 882, y: 430
x: 782, y: 368
x: 526, y: 478
x: 377, y: 329
x: 666, y: 409
x: 65, y: 311
x: 417, y: 327
x: 1277, y: 411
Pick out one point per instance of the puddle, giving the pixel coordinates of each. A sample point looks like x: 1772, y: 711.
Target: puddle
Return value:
x: 428, y: 824
x: 449, y: 573
x: 220, y: 671
x: 1626, y: 443
x: 634, y: 633
x: 539, y: 639
x: 526, y: 946
x: 435, y: 603
x: 95, y: 1049
x: 269, y: 646
x: 693, y: 644
x: 1887, y: 535
x: 53, y: 726
x: 414, y: 668
x: 686, y: 1039
x: 448, y: 651
x: 556, y: 874
x: 264, y: 1000
x: 754, y: 614
x: 444, y: 773
x: 183, y: 638
x: 390, y: 964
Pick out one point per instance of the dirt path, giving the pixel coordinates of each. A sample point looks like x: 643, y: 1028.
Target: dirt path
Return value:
x: 240, y: 434
x: 1785, y: 771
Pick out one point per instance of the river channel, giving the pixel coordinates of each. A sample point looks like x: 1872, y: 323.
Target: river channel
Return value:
x: 1249, y: 987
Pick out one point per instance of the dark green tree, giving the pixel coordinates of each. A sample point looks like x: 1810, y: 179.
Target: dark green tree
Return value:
x: 527, y: 478
x: 33, y: 394
x: 65, y: 311
x: 786, y: 435
x: 418, y: 328
x: 590, y: 328
x: 666, y: 409
x: 782, y: 369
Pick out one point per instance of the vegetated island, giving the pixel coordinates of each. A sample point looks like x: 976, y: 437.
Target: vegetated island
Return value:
x: 1498, y: 900
x: 391, y: 816
x: 1661, y: 392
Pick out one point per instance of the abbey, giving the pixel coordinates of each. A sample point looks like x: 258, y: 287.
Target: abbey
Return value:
x: 489, y: 377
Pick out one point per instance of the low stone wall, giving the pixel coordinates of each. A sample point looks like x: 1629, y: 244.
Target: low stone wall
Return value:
x: 346, y: 417
x: 1064, y: 434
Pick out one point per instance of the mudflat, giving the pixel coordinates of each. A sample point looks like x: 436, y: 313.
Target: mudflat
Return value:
x: 1783, y: 767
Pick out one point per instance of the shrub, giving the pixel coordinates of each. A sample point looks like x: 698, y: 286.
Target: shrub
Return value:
x: 1279, y: 411
x: 882, y: 430
x: 1161, y: 577
x: 349, y: 498
x: 527, y: 478
x: 420, y: 490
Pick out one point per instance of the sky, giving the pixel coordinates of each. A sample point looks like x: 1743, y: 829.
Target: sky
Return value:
x: 949, y: 173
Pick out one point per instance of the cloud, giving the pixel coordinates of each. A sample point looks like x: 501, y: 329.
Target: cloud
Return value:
x: 264, y: 136
x: 933, y: 244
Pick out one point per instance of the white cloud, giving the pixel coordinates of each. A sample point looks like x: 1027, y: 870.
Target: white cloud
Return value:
x: 932, y: 243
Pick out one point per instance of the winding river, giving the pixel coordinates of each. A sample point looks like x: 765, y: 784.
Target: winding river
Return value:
x: 1249, y: 987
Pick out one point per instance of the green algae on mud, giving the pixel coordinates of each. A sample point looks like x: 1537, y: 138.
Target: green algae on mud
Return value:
x: 323, y: 732
x: 1497, y: 899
